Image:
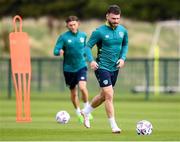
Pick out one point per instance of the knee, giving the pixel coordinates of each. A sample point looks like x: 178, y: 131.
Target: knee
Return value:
x: 82, y: 87
x: 109, y: 94
x: 109, y: 97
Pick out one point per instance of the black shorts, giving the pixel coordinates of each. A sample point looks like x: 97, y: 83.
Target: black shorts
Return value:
x: 73, y: 78
x: 106, y: 78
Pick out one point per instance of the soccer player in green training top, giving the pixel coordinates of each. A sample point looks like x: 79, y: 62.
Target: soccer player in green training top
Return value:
x: 112, y: 43
x: 71, y: 44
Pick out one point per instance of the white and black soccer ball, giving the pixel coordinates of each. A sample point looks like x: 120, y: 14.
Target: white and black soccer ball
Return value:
x: 62, y: 117
x: 144, y: 127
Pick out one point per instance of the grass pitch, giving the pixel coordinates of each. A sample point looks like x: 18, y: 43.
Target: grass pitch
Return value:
x: 162, y: 111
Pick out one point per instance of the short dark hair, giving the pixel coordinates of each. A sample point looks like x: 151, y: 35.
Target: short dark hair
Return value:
x: 72, y: 18
x: 114, y: 9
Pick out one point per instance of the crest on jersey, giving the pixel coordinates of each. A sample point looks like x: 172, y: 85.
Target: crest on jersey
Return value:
x: 69, y: 40
x: 106, y: 36
x: 121, y: 34
x: 82, y: 39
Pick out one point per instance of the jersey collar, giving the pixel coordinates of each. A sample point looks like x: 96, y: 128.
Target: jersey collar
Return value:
x: 74, y: 33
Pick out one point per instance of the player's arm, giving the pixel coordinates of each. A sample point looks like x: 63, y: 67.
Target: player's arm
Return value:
x: 124, y: 51
x: 93, y: 63
x: 95, y: 37
x: 58, y: 47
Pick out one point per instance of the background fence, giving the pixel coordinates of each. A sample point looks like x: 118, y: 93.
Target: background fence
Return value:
x: 138, y: 75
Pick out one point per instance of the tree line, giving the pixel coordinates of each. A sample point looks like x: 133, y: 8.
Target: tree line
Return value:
x: 145, y: 10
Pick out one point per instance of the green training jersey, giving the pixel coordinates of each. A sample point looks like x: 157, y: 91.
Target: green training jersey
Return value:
x: 73, y: 45
x: 112, y: 45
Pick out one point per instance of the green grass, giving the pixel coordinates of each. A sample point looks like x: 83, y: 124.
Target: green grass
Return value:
x: 162, y: 111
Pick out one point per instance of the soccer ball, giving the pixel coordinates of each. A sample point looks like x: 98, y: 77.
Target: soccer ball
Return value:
x: 144, y: 127
x: 62, y: 117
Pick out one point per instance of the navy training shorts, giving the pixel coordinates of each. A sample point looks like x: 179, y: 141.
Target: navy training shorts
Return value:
x: 106, y: 78
x: 73, y: 78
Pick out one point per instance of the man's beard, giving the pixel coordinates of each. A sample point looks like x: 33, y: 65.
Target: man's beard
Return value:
x: 113, y: 24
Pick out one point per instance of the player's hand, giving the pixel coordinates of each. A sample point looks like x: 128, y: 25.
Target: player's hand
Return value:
x: 61, y: 52
x: 120, y: 63
x: 94, y: 65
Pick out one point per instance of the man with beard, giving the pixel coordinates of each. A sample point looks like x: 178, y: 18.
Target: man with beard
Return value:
x: 112, y: 44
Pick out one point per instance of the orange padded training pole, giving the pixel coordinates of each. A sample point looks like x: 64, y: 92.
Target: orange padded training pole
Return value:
x: 21, y: 70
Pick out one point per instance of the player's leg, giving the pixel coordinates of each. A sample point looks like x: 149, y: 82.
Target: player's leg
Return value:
x: 84, y: 92
x: 74, y: 97
x: 109, y: 106
x: 97, y: 100
x: 82, y: 78
x: 82, y: 81
x: 115, y: 128
x: 71, y: 81
x: 108, y: 94
x: 76, y: 103
x: 106, y: 81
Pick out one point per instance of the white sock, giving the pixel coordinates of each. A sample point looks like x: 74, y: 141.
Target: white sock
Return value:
x: 113, y: 123
x: 88, y: 109
x: 86, y: 104
x: 78, y: 111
